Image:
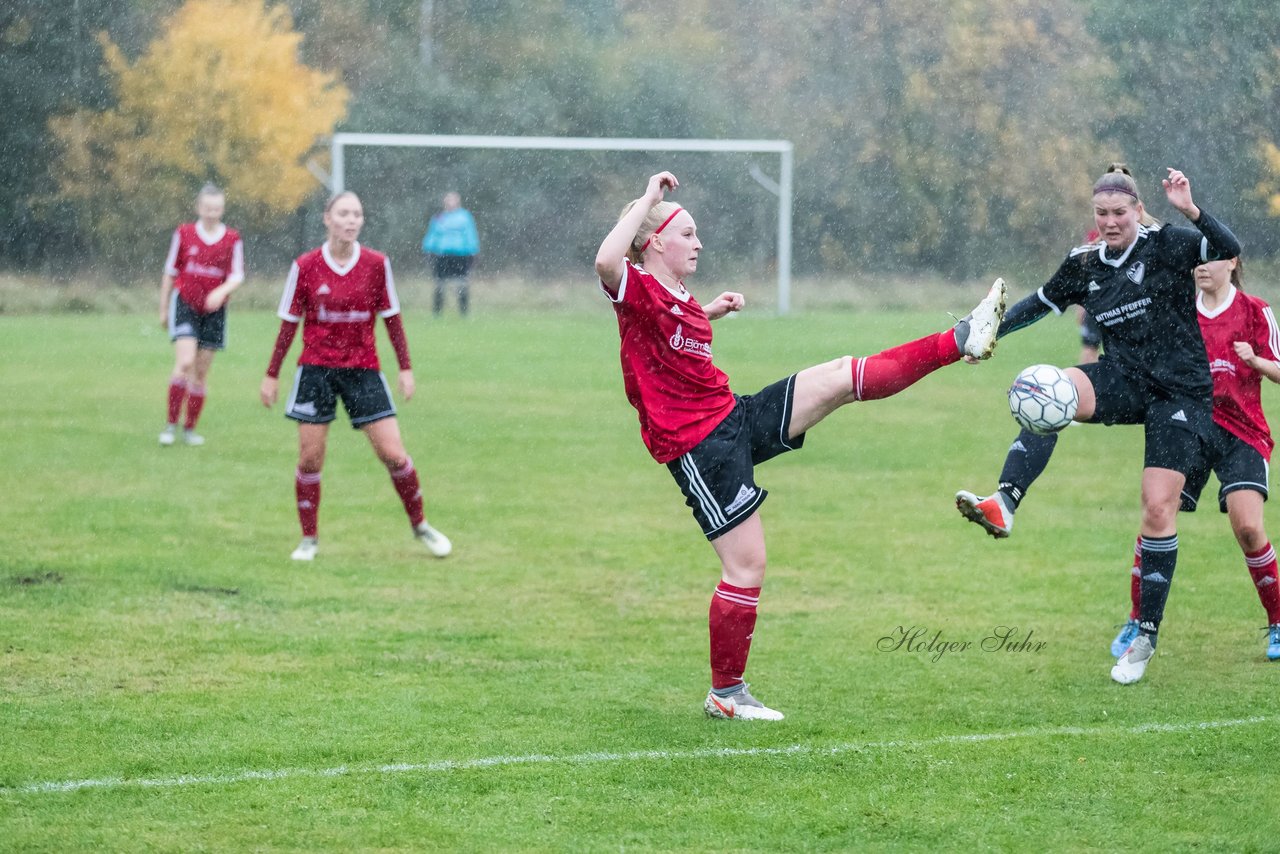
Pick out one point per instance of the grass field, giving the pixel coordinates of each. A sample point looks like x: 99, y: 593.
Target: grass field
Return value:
x: 170, y: 680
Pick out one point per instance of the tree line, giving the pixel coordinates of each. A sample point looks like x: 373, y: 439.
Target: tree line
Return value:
x: 930, y: 137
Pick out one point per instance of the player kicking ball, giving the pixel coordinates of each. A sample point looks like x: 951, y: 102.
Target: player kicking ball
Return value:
x: 711, y: 439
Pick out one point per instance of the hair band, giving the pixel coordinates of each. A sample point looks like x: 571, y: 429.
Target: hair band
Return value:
x: 1121, y: 189
x: 658, y: 230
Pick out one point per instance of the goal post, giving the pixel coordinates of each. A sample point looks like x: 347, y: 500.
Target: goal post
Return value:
x: 783, y: 148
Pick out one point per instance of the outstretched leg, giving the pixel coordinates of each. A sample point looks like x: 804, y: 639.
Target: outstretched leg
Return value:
x: 824, y: 388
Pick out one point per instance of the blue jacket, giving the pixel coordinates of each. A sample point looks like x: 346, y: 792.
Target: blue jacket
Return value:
x: 452, y: 233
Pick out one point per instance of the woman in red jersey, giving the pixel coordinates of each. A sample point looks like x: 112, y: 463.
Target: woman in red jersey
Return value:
x: 711, y: 439
x: 337, y: 291
x: 1242, y: 341
x: 204, y: 267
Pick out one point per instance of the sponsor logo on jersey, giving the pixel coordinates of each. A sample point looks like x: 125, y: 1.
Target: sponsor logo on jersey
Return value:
x: 680, y: 343
x: 745, y: 494
x: 1125, y: 312
x: 326, y: 316
x: 204, y: 270
x: 675, y: 309
x: 1094, y: 286
x: 1222, y: 366
x: 323, y: 289
x: 1179, y: 416
x: 307, y: 408
x: 191, y: 250
x: 1136, y: 272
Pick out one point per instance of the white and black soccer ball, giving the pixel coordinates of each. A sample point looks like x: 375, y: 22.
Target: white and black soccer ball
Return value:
x: 1043, y: 399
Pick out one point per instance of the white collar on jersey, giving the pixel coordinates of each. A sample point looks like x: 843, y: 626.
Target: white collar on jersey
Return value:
x: 1222, y: 306
x: 210, y: 238
x: 334, y: 265
x: 682, y: 294
x: 1102, y: 250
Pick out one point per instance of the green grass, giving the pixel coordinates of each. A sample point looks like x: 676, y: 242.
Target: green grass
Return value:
x: 153, y: 629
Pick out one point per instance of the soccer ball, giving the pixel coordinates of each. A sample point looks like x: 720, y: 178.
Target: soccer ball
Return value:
x: 1043, y: 399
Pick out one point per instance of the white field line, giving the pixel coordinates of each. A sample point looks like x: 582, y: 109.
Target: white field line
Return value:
x: 446, y: 765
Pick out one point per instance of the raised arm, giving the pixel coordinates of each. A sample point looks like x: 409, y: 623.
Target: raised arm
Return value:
x: 613, y: 250
x: 1222, y: 243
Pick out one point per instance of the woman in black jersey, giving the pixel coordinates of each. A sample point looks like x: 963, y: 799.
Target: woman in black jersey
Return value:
x: 1138, y: 287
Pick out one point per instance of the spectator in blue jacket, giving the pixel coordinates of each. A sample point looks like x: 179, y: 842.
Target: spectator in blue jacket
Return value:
x: 452, y: 243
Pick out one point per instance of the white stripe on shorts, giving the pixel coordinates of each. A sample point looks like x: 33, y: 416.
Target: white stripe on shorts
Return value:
x: 698, y: 487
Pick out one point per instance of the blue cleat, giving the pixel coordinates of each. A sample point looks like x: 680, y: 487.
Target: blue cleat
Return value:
x: 1128, y: 632
x: 1273, y: 642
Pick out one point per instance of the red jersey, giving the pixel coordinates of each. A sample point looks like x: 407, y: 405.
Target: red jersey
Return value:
x: 666, y: 364
x: 200, y: 262
x: 1237, y: 388
x: 338, y: 306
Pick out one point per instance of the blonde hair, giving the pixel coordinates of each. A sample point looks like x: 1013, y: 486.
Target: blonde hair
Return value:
x: 333, y: 200
x: 1118, y: 179
x: 210, y: 189
x: 657, y: 215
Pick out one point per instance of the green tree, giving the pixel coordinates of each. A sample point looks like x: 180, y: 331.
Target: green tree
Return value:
x: 49, y: 63
x: 1198, y: 88
x: 221, y: 96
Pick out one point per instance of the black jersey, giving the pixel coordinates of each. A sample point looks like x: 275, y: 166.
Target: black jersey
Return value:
x: 1144, y: 304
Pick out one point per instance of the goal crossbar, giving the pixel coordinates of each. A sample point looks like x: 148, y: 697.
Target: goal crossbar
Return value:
x: 783, y: 148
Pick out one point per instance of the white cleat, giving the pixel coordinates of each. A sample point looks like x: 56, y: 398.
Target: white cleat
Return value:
x: 437, y: 543
x: 739, y: 706
x: 1133, y: 663
x: 306, y: 549
x: 991, y: 512
x: 984, y: 323
x: 167, y: 435
x: 192, y: 438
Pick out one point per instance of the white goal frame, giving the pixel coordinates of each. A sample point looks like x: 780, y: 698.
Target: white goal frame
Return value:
x: 783, y: 148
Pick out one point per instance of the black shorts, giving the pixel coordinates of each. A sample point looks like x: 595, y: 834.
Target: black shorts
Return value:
x: 209, y: 330
x: 1238, y: 466
x: 1179, y: 430
x: 717, y: 477
x: 452, y: 266
x: 316, y: 389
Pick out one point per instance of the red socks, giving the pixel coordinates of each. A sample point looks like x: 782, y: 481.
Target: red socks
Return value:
x: 1262, y: 568
x: 732, y: 620
x: 405, y: 480
x: 177, y: 394
x: 195, y: 403
x: 889, y: 372
x: 192, y: 395
x: 306, y: 486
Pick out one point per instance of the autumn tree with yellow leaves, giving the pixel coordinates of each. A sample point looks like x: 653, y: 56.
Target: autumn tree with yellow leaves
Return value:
x: 221, y: 96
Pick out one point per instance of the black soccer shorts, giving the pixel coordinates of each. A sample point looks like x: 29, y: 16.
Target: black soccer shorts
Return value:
x: 718, y: 476
x: 316, y: 389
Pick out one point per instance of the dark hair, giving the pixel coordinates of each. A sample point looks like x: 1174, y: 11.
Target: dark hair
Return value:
x: 333, y: 200
x: 1237, y: 275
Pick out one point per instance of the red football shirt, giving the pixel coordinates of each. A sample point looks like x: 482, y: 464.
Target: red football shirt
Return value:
x: 200, y: 262
x: 1237, y: 388
x: 666, y: 364
x: 338, y: 306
